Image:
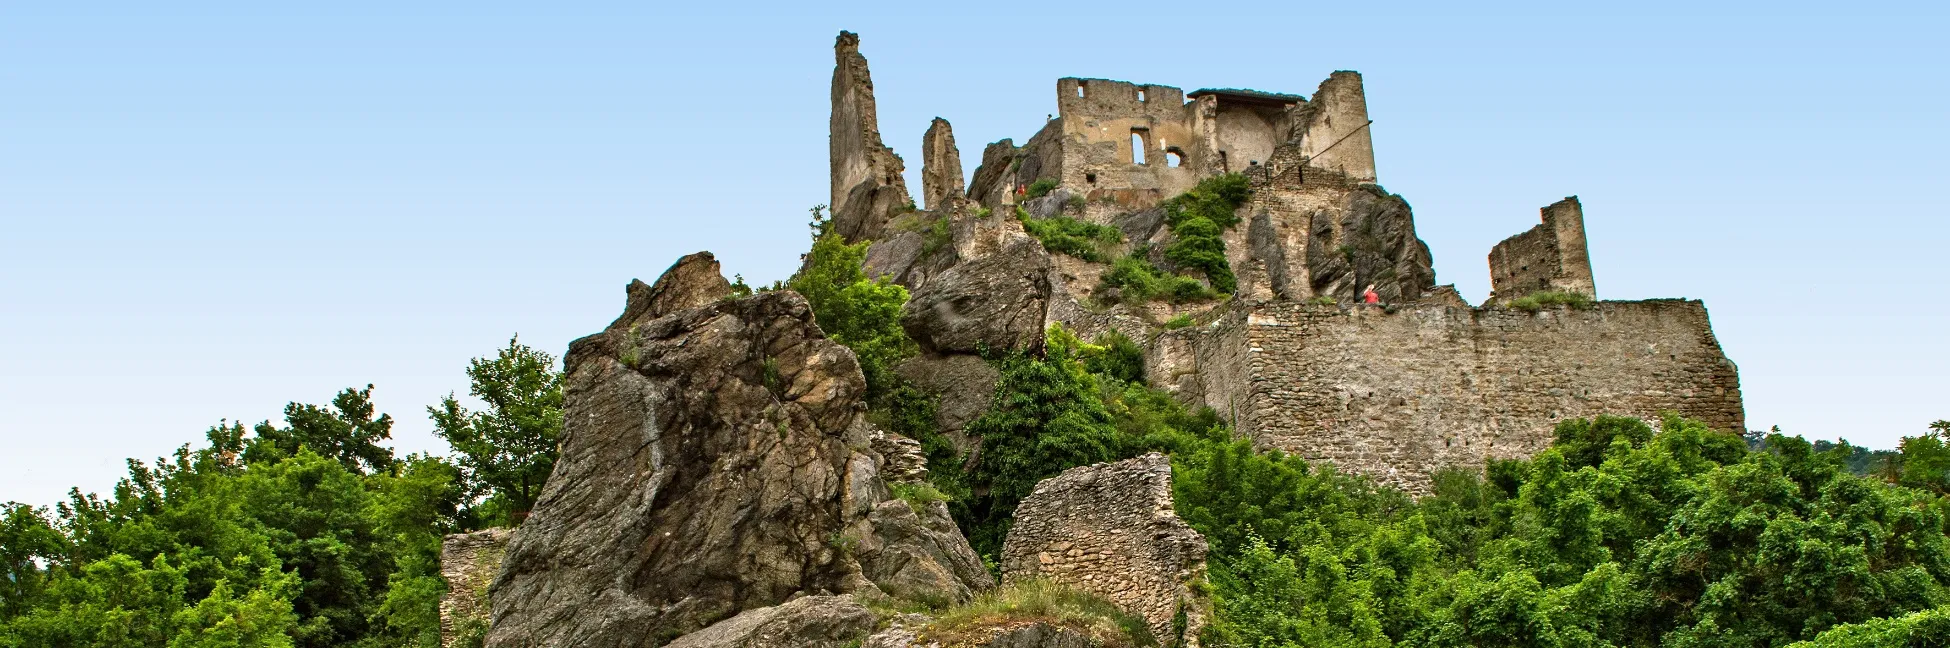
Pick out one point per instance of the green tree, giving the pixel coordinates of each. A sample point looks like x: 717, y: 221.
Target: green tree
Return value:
x: 861, y: 313
x: 345, y: 431
x: 506, y: 451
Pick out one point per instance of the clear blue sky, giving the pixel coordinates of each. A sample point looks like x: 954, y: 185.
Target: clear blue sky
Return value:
x: 209, y: 210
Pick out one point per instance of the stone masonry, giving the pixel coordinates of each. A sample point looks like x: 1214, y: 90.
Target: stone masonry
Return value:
x: 1291, y: 357
x: 469, y: 562
x: 1550, y: 256
x: 1109, y: 529
x: 1400, y: 395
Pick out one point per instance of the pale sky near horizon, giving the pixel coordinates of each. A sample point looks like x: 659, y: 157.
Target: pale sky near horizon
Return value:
x: 208, y: 210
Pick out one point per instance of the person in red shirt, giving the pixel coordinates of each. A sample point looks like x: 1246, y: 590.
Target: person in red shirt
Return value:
x: 1369, y: 296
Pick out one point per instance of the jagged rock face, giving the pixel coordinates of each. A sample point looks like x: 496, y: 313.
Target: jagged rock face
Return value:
x: 1109, y: 529
x: 964, y: 385
x: 996, y: 300
x: 468, y: 562
x: 867, y: 185
x: 809, y: 622
x: 940, y: 165
x: 1371, y: 241
x: 695, y: 280
x: 714, y: 459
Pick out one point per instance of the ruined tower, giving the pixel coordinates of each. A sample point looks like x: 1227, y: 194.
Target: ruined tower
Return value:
x: 1549, y: 257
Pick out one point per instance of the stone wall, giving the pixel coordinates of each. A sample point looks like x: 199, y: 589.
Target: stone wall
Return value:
x: 1109, y: 529
x: 1399, y: 395
x: 1550, y: 256
x: 469, y: 562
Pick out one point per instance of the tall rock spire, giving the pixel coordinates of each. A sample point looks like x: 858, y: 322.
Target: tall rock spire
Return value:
x: 867, y: 184
x: 941, y: 180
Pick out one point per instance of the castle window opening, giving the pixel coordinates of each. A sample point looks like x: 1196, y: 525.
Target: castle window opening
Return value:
x: 1174, y: 157
x: 1140, y: 95
x: 1080, y: 85
x: 1223, y: 166
x: 1090, y: 178
x: 1137, y: 145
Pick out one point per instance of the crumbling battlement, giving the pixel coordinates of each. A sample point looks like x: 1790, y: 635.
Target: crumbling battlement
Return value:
x: 1551, y: 256
x: 1291, y: 356
x: 1399, y: 395
x: 1109, y: 529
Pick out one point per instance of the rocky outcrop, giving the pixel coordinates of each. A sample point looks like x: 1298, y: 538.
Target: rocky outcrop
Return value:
x: 963, y: 385
x: 1109, y: 529
x: 1370, y: 241
x: 695, y: 280
x: 868, y: 188
x: 714, y: 459
x: 995, y: 300
x: 809, y: 622
x: 941, y: 179
x: 468, y: 562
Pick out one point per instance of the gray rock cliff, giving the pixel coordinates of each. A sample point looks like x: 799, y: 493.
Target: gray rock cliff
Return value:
x: 714, y: 459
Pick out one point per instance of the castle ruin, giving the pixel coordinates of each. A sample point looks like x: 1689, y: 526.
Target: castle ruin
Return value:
x: 1293, y: 358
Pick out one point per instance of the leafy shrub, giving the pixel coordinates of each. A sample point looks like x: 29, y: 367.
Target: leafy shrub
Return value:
x: 861, y: 313
x: 1066, y: 235
x: 1540, y: 300
x: 1041, y: 187
x: 1137, y: 281
x: 1197, y: 219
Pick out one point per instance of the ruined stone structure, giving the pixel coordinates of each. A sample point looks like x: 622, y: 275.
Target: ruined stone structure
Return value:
x: 1399, y: 395
x: 468, y: 562
x: 1397, y: 390
x: 1110, y: 529
x: 1551, y: 256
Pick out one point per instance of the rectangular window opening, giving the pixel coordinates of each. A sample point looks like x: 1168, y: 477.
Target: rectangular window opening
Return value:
x: 1137, y: 146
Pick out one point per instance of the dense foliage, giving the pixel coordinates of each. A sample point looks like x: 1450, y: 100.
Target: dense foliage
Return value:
x: 1198, y: 218
x: 1137, y: 281
x: 306, y: 534
x: 857, y: 311
x: 1066, y: 235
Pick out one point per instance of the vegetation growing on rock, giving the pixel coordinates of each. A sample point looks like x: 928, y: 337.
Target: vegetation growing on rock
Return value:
x: 1065, y: 235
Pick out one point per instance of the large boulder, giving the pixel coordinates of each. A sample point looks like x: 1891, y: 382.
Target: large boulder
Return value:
x: 809, y: 622
x: 1109, y: 529
x: 714, y: 459
x: 996, y: 300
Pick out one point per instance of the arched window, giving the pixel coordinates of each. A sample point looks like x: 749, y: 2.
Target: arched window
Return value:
x: 1174, y: 157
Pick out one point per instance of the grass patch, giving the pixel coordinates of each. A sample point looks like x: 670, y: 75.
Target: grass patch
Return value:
x: 918, y: 496
x: 1065, y: 235
x: 1542, y: 299
x: 1179, y: 322
x: 1040, y: 601
x: 1137, y: 281
x: 1323, y: 300
x: 1041, y: 188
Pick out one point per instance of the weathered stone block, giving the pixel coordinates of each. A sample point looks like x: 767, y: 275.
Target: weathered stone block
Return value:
x: 1109, y: 529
